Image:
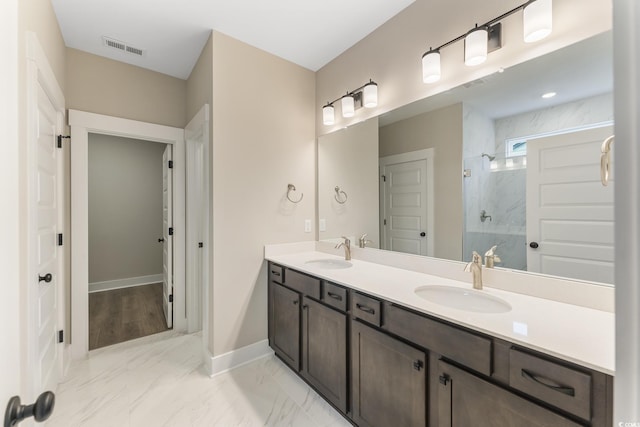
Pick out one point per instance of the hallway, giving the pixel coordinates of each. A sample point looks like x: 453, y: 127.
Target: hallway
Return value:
x: 159, y: 381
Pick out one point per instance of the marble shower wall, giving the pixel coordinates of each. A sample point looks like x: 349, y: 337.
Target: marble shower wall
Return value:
x: 502, y: 194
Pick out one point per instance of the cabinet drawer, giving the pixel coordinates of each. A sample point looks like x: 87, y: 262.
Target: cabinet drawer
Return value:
x: 276, y: 273
x: 366, y: 308
x: 556, y: 384
x: 335, y: 296
x: 467, y: 348
x: 302, y: 283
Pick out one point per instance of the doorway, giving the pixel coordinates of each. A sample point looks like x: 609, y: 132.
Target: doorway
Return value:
x: 82, y: 125
x: 406, y: 202
x: 130, y: 251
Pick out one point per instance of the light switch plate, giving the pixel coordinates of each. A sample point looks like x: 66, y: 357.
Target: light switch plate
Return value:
x: 307, y: 226
x: 323, y: 224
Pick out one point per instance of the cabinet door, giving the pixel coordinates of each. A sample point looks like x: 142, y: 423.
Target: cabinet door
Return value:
x: 388, y: 380
x: 284, y: 323
x: 324, y: 351
x: 466, y: 400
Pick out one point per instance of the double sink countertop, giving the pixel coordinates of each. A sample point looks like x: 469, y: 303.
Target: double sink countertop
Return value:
x: 584, y: 336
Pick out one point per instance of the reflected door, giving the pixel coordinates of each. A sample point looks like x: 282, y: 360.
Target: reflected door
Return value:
x: 569, y: 212
x: 167, y: 245
x: 405, y: 205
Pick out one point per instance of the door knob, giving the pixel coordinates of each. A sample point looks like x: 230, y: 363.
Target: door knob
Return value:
x: 47, y: 278
x: 422, y: 234
x: 533, y: 245
x: 161, y: 240
x: 40, y: 410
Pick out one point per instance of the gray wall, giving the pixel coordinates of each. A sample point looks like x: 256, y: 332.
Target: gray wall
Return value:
x: 125, y: 208
x: 442, y: 130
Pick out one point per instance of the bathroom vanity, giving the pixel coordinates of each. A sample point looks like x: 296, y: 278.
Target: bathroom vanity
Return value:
x: 381, y: 355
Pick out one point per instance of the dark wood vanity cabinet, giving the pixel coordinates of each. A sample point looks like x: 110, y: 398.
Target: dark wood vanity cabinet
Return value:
x: 284, y: 324
x: 388, y: 380
x: 465, y: 399
x: 324, y: 351
x: 382, y: 364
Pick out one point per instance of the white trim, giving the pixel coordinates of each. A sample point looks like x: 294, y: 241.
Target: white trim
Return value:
x: 626, y: 39
x: 40, y: 73
x: 197, y: 212
x: 233, y: 359
x: 83, y: 123
x: 129, y: 282
x: 425, y: 154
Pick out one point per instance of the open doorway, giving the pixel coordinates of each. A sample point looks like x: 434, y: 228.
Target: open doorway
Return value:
x: 130, y: 251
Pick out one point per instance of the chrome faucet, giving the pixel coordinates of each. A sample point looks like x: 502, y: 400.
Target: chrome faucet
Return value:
x: 362, y: 241
x: 490, y: 257
x: 475, y: 268
x: 347, y: 248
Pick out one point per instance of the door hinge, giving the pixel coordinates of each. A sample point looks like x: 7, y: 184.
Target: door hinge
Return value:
x: 418, y: 364
x: 444, y: 379
x: 61, y: 336
x: 171, y: 298
x: 385, y: 221
x: 60, y: 139
x: 170, y: 164
x: 200, y: 245
x: 59, y: 239
x: 170, y: 231
x: 384, y: 178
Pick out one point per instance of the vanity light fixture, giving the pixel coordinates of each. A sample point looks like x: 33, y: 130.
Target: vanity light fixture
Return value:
x: 537, y: 20
x: 328, y: 116
x: 476, y: 46
x: 485, y: 38
x: 431, y: 71
x: 364, y: 96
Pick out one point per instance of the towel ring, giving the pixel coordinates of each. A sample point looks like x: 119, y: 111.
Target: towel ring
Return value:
x: 337, y: 196
x: 291, y: 188
x: 605, y: 160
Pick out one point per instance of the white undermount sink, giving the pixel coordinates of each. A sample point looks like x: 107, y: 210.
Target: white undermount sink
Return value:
x: 330, y: 264
x: 463, y: 299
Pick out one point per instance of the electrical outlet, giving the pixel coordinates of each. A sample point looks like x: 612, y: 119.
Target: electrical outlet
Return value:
x: 323, y: 224
x: 307, y: 226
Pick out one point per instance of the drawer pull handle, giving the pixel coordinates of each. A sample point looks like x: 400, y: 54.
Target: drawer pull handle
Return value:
x: 275, y: 273
x: 569, y: 391
x: 295, y: 302
x: 366, y: 309
x: 335, y: 296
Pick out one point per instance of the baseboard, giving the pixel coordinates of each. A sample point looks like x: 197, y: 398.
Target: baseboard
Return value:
x: 124, y: 283
x: 225, y: 362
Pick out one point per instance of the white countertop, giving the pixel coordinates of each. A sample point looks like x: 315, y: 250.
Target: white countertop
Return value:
x: 577, y: 334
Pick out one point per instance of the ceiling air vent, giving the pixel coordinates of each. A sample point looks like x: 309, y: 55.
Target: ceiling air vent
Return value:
x: 122, y: 46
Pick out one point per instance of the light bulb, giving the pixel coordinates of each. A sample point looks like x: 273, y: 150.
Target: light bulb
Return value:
x: 370, y: 95
x: 537, y: 20
x: 348, y: 106
x: 431, y: 66
x: 328, y: 118
x: 475, y: 46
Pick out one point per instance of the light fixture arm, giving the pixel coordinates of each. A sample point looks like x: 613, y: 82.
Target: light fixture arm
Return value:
x: 486, y: 24
x: 353, y: 93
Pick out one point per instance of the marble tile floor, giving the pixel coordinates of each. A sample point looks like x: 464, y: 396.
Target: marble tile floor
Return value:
x: 159, y: 380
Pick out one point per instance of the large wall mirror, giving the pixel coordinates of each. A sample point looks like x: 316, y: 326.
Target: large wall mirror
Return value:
x: 490, y: 163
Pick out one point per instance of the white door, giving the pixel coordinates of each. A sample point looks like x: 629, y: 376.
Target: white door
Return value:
x: 45, y: 200
x: 406, y: 214
x: 569, y: 212
x: 167, y: 235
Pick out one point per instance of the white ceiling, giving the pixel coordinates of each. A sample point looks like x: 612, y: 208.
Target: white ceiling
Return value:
x: 173, y: 32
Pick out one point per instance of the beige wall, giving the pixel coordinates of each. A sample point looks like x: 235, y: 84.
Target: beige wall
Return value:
x: 104, y: 86
x: 349, y: 158
x: 263, y: 139
x: 441, y: 130
x: 391, y: 54
x: 125, y: 208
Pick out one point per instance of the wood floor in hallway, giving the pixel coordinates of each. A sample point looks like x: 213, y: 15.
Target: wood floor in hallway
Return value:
x: 124, y: 314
